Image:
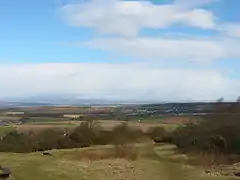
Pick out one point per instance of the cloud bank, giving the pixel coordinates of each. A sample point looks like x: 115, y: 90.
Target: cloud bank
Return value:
x: 116, y: 81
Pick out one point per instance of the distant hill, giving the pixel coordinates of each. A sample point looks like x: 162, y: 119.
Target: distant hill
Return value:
x: 61, y: 99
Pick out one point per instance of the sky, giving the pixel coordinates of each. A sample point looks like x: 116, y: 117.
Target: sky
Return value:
x: 164, y: 50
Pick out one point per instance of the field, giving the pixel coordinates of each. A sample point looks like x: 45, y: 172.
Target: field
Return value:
x: 5, y: 129
x: 38, y: 124
x: 91, y: 163
x: 106, y: 124
x: 134, y: 162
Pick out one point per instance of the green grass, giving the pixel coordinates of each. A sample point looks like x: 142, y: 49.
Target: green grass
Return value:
x: 6, y: 129
x: 58, y: 167
x: 170, y: 127
x: 52, y: 123
x: 66, y: 164
x: 45, y: 119
x: 176, y: 164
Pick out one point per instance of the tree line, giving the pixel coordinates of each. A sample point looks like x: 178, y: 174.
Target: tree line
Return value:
x: 87, y: 134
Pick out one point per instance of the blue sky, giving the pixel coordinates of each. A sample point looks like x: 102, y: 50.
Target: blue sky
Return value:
x: 194, y: 42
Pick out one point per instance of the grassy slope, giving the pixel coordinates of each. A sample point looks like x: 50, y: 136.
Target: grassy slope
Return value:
x: 176, y: 169
x: 36, y: 167
x: 6, y: 129
x: 60, y: 167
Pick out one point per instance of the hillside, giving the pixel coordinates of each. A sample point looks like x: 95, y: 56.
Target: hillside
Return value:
x: 98, y: 163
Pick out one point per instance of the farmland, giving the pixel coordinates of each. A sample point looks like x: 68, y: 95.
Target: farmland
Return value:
x: 88, y: 140
x: 6, y: 129
x: 39, y: 118
x: 106, y: 124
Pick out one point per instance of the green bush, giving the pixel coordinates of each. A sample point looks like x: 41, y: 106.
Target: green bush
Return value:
x: 216, y: 134
x: 15, y: 142
x: 87, y: 134
x: 158, y: 134
x: 123, y: 134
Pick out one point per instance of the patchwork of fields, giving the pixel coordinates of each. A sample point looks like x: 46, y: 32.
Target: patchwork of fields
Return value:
x: 100, y: 162
x: 37, y: 124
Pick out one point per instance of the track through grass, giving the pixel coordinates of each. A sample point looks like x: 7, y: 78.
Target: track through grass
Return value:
x: 153, y: 163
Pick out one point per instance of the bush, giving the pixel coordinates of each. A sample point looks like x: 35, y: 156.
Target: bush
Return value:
x: 87, y: 134
x: 218, y: 134
x: 158, y: 134
x: 123, y: 134
x: 127, y: 152
x: 15, y: 142
x: 48, y: 139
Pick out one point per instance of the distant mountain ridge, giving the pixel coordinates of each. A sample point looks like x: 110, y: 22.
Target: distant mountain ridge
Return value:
x: 77, y: 100
x: 57, y: 99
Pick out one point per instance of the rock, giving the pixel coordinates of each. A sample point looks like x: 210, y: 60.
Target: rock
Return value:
x: 237, y: 174
x: 5, y: 172
x: 208, y: 171
x: 46, y: 154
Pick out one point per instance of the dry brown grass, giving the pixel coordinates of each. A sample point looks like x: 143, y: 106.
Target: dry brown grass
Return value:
x: 144, y: 126
x: 9, y: 118
x: 78, y: 164
x: 105, y: 124
x: 168, y: 123
x: 176, y: 120
x: 208, y: 160
x: 60, y: 167
x: 39, y: 128
x: 127, y: 151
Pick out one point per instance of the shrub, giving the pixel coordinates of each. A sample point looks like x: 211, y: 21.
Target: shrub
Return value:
x: 48, y: 139
x: 15, y: 142
x: 127, y: 151
x: 218, y: 134
x: 86, y: 134
x: 123, y: 134
x: 158, y: 134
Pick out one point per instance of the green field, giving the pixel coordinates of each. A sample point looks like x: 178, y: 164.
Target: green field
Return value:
x: 45, y: 119
x: 6, y: 129
x: 52, y: 123
x: 152, y: 163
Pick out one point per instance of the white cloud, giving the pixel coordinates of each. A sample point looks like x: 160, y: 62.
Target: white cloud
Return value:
x: 193, y: 3
x: 127, y: 18
x: 230, y: 29
x: 120, y: 81
x: 199, y: 50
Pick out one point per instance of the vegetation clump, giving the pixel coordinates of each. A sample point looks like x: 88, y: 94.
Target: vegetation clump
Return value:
x: 87, y: 134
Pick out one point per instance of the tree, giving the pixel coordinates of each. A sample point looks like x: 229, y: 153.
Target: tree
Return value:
x: 219, y: 143
x: 86, y: 134
x: 221, y: 107
x: 238, y: 99
x: 221, y: 99
x: 157, y: 134
x: 48, y: 139
x: 15, y: 142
